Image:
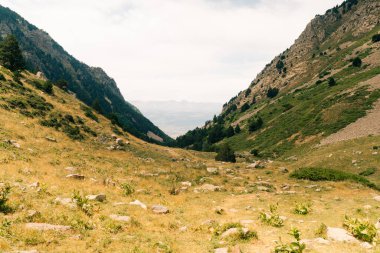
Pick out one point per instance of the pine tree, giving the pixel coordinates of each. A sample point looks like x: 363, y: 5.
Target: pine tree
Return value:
x: 237, y: 129
x: 230, y: 131
x: 10, y: 54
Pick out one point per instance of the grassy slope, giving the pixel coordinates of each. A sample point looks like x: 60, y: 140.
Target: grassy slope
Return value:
x: 41, y: 160
x: 317, y: 110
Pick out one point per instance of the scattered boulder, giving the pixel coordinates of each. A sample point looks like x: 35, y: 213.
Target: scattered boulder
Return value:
x: 186, y: 184
x: 65, y: 202
x: 377, y: 225
x: 366, y: 245
x: 119, y: 142
x: 219, y: 210
x: 255, y: 165
x: 221, y: 250
x: 377, y: 198
x: 34, y: 185
x: 138, y: 203
x: 183, y: 229
x: 98, y: 197
x: 159, y: 209
x: 72, y: 169
x: 340, y: 235
x: 234, y: 231
x: 212, y: 170
x: 14, y: 143
x: 120, y: 218
x: 46, y: 227
x: 263, y: 188
x: 283, y: 170
x: 75, y: 176
x: 207, y: 188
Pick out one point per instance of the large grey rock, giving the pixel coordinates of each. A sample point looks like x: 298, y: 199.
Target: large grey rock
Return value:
x: 234, y: 231
x: 46, y: 227
x: 138, y: 203
x: 212, y: 170
x: 159, y: 209
x: 97, y: 197
x: 340, y: 235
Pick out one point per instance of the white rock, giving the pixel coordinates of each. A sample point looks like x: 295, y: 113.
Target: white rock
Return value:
x: 120, y: 218
x: 98, y: 197
x: 159, y: 209
x: 377, y: 225
x: 65, y: 201
x: 138, y: 203
x: 212, y: 170
x: 34, y: 185
x: 207, y: 187
x: 15, y: 143
x: 377, y: 198
x: 72, y: 169
x: 183, y: 229
x: 366, y: 245
x: 186, y: 183
x: 340, y: 235
x: 45, y: 227
x: 221, y: 250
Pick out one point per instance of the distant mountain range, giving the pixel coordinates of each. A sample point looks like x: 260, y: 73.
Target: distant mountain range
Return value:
x: 177, y: 117
x: 91, y: 85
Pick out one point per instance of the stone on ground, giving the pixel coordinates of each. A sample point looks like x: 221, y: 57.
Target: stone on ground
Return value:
x: 120, y: 218
x: 340, y: 235
x: 159, y: 209
x: 138, y: 203
x: 46, y: 227
x: 97, y: 197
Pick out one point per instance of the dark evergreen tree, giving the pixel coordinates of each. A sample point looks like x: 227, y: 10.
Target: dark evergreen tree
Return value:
x: 230, y: 131
x: 225, y: 154
x: 376, y: 38
x: 10, y: 54
x: 357, y: 62
x: 331, y: 81
x: 96, y: 105
x: 245, y: 107
x: 272, y: 92
x: 255, y: 124
x: 237, y: 129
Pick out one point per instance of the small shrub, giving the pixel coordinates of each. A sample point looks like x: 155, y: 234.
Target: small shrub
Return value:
x: 240, y: 236
x: 331, y: 82
x: 319, y: 82
x: 255, y: 124
x: 83, y: 203
x: 323, y: 174
x: 45, y: 86
x: 361, y: 229
x: 321, y: 231
x: 273, y: 219
x: 89, y: 113
x: 293, y: 247
x: 2, y: 77
x: 357, y: 62
x: 245, y: 107
x: 376, y: 38
x: 4, y: 197
x: 302, y: 208
x: 255, y: 152
x: 128, y: 189
x: 368, y: 172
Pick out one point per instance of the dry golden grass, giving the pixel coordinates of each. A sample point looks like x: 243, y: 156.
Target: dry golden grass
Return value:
x: 39, y: 160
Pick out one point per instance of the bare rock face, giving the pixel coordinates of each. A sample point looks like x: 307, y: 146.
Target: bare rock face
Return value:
x: 46, y: 227
x: 159, y: 209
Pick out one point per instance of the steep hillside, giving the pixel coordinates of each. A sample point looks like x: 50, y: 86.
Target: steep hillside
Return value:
x: 91, y: 85
x: 318, y: 86
x: 71, y: 181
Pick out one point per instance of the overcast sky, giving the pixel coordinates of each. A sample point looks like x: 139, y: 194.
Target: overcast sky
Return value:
x: 195, y: 50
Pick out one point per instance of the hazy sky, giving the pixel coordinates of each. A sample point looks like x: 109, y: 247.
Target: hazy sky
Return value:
x: 195, y: 50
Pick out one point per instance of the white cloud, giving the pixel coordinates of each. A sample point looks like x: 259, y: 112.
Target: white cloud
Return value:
x: 197, y: 50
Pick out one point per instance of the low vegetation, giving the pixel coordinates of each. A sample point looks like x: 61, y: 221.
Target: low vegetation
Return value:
x: 272, y: 218
x: 361, y: 229
x: 294, y: 247
x: 324, y: 174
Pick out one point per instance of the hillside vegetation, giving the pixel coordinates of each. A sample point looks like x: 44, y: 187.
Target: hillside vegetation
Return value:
x: 325, y: 81
x: 91, y: 85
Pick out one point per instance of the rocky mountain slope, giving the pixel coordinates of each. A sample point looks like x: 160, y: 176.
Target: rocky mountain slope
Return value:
x: 315, y: 88
x: 72, y: 181
x: 91, y: 85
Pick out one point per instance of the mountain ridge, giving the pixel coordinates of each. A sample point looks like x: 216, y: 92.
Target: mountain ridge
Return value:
x: 90, y: 84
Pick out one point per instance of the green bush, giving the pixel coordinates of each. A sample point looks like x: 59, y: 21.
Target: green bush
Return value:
x: 293, y: 247
x: 331, y: 81
x: 321, y: 231
x: 272, y: 92
x: 240, y: 236
x: 357, y: 62
x: 2, y: 77
x: 376, y: 38
x: 89, y: 113
x: 255, y: 124
x: 302, y: 208
x: 368, y: 172
x: 83, y: 203
x: 361, y: 229
x: 45, y: 86
x: 4, y: 197
x: 273, y: 218
x: 226, y: 154
x: 324, y: 174
x: 128, y: 189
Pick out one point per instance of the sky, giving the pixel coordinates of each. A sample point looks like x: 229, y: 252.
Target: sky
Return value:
x: 193, y: 50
